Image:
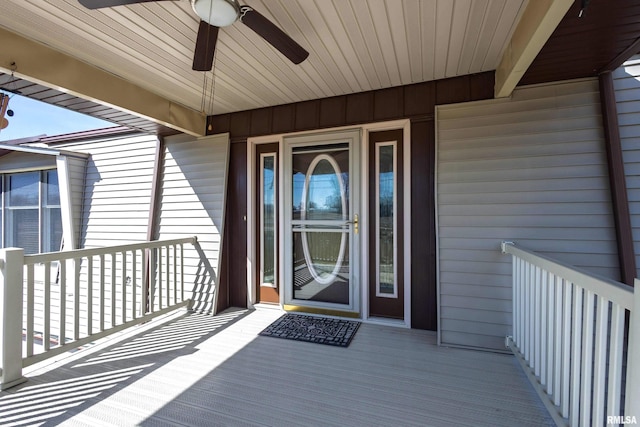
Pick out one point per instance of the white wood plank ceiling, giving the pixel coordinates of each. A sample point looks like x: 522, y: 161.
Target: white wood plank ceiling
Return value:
x: 354, y: 45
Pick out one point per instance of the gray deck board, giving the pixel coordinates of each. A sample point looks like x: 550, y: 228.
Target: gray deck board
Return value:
x: 200, y: 370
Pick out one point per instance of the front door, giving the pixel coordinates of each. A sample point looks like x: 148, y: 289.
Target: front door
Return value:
x: 321, y: 224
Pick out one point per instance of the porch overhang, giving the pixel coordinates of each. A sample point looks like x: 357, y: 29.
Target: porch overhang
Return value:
x: 43, y: 65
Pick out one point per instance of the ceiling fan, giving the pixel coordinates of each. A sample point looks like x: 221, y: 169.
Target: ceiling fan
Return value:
x: 215, y: 14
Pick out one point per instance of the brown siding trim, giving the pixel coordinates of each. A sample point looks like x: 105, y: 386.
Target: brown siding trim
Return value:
x: 617, y: 180
x: 424, y: 311
x: 234, y: 240
x: 155, y: 191
x: 409, y: 101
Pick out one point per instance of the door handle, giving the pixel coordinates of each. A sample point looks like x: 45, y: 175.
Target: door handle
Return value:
x: 355, y: 223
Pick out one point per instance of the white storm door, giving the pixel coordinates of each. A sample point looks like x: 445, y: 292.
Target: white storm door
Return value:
x: 321, y: 230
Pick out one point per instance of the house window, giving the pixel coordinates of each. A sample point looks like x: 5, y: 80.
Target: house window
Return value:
x: 31, y: 211
x: 385, y: 220
x: 268, y: 216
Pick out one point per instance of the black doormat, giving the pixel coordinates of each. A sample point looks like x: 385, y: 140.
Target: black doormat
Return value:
x: 320, y: 330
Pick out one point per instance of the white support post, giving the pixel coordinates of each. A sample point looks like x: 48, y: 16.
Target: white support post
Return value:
x: 11, y: 266
x: 632, y: 405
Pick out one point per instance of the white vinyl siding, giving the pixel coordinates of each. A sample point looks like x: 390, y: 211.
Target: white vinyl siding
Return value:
x: 117, y: 190
x: 531, y: 169
x: 192, y: 203
x: 77, y: 168
x: 626, y: 81
x: 111, y: 197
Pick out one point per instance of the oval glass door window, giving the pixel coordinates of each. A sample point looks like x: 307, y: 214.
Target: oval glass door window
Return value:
x: 323, y: 203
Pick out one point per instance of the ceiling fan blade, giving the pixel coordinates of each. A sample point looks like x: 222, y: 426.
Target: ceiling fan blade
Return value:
x: 205, y: 47
x: 99, y: 4
x: 273, y: 35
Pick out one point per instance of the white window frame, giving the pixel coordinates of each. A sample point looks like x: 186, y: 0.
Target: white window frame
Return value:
x: 42, y: 180
x: 275, y: 221
x: 378, y: 145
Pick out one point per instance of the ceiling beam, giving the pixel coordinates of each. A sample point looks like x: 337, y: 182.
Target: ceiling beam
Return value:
x: 539, y: 20
x: 43, y: 65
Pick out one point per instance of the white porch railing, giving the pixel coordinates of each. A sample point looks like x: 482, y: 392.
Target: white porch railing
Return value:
x: 569, y: 330
x: 54, y: 302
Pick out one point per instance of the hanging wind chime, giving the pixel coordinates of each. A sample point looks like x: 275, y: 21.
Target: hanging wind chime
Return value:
x: 4, y: 102
x: 4, y: 105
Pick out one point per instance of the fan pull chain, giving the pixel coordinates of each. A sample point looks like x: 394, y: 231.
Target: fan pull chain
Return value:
x: 213, y: 80
x: 204, y: 93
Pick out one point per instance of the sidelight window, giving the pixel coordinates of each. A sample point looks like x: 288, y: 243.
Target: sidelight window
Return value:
x: 385, y: 220
x: 268, y: 241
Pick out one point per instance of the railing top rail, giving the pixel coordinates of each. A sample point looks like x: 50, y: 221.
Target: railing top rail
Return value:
x: 614, y: 291
x: 80, y: 253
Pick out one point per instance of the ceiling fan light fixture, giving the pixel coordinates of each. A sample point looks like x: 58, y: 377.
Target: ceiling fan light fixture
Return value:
x: 219, y: 13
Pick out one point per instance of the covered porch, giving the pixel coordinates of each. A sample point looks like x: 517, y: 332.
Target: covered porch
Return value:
x: 215, y: 370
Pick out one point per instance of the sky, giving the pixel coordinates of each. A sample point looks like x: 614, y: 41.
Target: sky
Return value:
x: 34, y: 118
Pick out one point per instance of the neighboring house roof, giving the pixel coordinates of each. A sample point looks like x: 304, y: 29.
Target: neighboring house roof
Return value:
x: 40, y: 150
x: 39, y: 144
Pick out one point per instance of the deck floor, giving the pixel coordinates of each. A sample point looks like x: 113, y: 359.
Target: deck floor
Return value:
x: 199, y: 370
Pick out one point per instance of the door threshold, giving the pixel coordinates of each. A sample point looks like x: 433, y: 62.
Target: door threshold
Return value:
x: 321, y: 311
x: 267, y: 306
x: 385, y: 321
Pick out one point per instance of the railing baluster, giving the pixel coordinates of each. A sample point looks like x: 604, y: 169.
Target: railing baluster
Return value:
x: 525, y: 313
x: 600, y: 360
x: 523, y: 305
x: 175, y: 274
x: 89, y: 295
x: 551, y: 337
x: 566, y: 347
x: 168, y: 276
x: 531, y: 317
x: 576, y: 355
x: 559, y: 334
x: 113, y: 289
x: 134, y: 286
x: 62, y: 327
x: 123, y: 286
x: 587, y: 357
x: 515, y: 264
x: 159, y: 263
x: 145, y: 282
x: 542, y: 313
x: 615, y: 360
x: 46, y: 324
x: 152, y: 279
x: 76, y: 299
x: 182, y: 272
x: 102, y: 293
x: 30, y: 309
x: 537, y: 321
